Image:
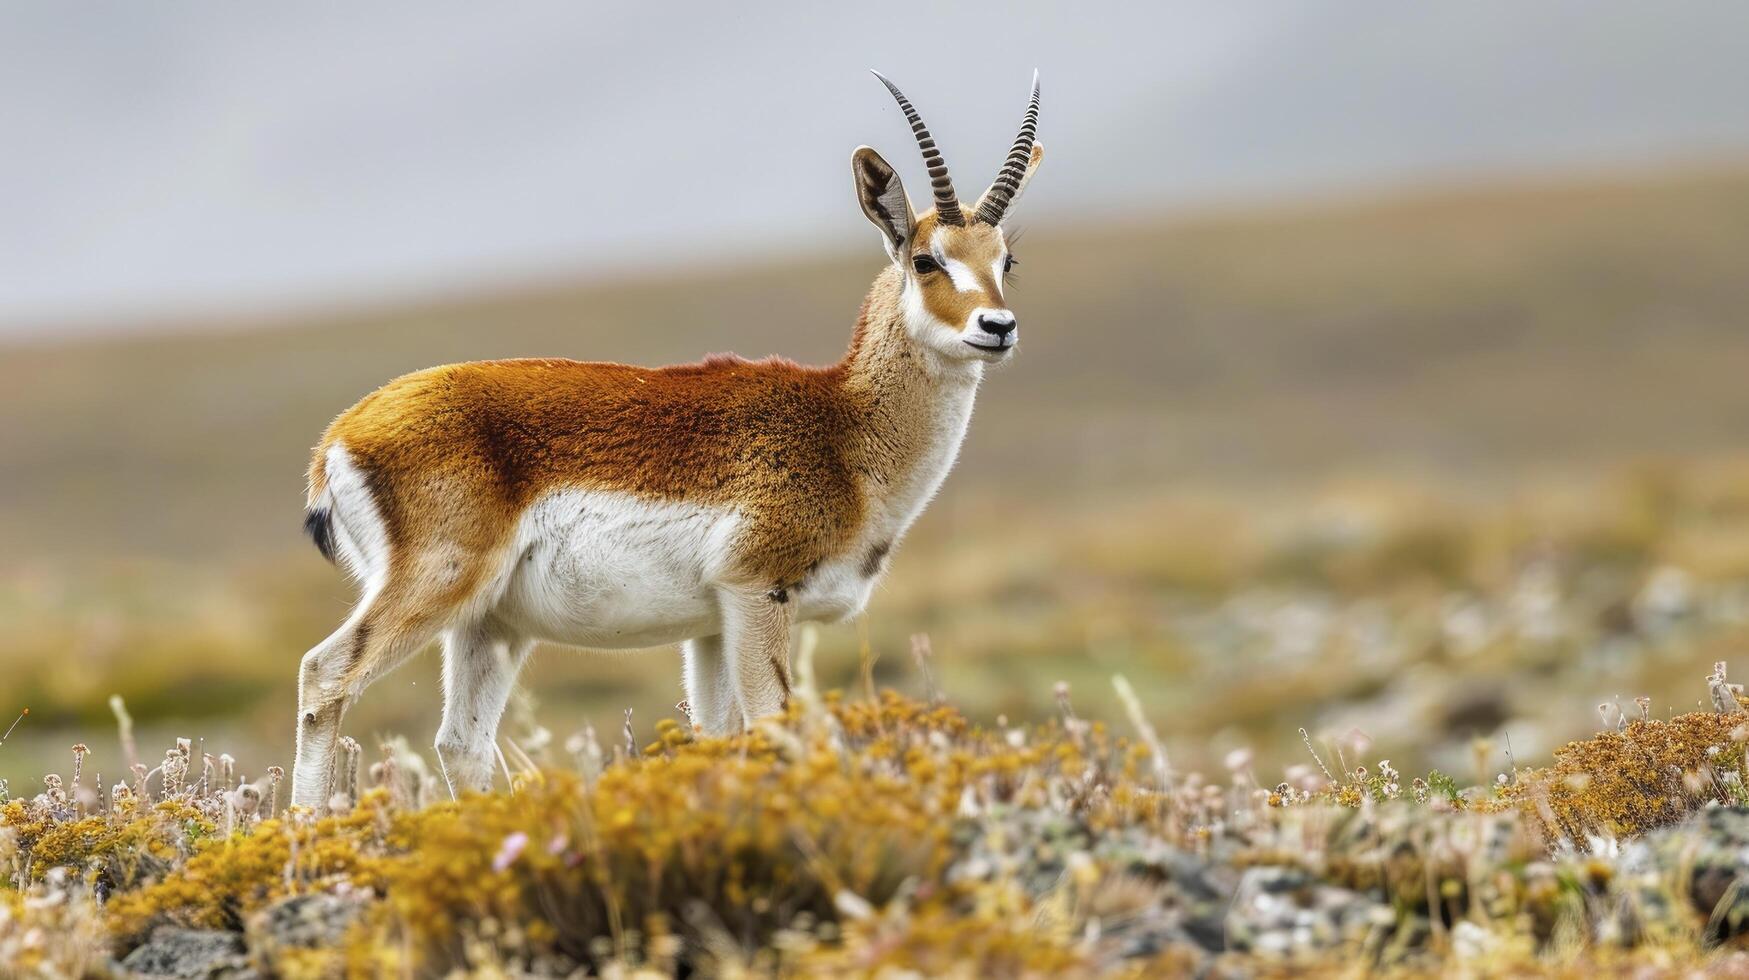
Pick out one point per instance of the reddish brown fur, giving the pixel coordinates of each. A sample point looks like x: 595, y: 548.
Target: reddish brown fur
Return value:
x: 459, y: 451
x: 454, y: 454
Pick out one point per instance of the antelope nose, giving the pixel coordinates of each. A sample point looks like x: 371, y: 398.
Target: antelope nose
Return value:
x: 997, y: 324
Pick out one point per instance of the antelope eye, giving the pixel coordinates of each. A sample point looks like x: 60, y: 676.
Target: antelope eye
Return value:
x: 924, y: 265
x: 1009, y: 262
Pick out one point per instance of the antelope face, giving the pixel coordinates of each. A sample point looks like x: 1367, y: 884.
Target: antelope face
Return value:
x: 954, y: 278
x: 955, y: 264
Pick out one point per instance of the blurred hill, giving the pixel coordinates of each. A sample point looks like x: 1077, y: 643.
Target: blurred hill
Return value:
x: 1465, y: 332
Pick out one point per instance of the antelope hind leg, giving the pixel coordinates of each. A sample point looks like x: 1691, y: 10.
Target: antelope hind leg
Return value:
x: 480, y: 664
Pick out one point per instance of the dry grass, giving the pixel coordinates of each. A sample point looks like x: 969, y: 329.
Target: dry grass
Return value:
x: 860, y: 837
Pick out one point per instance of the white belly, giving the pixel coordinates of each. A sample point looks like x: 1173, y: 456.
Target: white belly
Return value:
x: 612, y: 571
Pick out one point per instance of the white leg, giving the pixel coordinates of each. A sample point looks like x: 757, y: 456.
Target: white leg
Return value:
x: 319, y: 715
x: 756, y: 646
x: 480, y: 664
x: 392, y: 624
x: 710, y: 691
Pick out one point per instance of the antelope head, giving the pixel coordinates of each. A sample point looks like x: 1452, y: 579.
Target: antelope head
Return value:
x: 955, y: 265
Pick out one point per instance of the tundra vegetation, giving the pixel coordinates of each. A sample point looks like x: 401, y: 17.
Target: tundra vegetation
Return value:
x: 880, y: 834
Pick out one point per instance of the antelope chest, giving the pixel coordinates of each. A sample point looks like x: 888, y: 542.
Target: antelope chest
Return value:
x: 840, y: 588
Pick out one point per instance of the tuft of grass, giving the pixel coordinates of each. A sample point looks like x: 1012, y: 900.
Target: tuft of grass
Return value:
x: 1649, y: 774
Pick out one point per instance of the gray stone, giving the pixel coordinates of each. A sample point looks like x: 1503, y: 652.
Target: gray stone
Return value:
x: 1195, y: 893
x: 1705, y: 860
x: 192, y: 953
x: 317, y: 921
x: 1285, y: 913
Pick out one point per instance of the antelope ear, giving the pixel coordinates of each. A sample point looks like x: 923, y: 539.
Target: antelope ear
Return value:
x: 883, y: 199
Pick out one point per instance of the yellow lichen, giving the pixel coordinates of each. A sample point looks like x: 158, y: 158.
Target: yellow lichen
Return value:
x: 1649, y: 774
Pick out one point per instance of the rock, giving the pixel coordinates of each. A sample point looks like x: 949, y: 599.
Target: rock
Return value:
x: 310, y: 922
x: 1195, y: 892
x: 1709, y: 854
x: 202, y: 953
x: 1286, y: 914
x: 316, y: 921
x: 1152, y: 899
x: 1205, y: 893
x: 1031, y: 845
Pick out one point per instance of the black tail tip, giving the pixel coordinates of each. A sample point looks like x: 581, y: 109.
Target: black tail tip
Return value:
x: 320, y: 527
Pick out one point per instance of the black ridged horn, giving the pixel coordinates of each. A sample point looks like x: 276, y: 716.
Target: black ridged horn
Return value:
x: 947, y: 203
x: 994, y: 204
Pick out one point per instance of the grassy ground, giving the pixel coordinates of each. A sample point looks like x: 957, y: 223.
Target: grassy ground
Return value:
x: 894, y: 837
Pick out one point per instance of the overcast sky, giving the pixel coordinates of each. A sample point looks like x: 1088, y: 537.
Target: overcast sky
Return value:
x: 165, y: 158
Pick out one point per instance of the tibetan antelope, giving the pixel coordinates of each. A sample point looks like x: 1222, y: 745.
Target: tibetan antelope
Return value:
x: 500, y: 503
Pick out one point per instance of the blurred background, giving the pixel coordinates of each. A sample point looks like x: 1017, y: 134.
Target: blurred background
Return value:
x: 1384, y: 369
